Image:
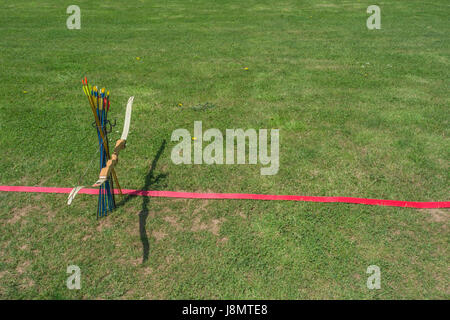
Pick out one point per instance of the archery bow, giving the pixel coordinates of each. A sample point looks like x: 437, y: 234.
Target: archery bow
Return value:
x: 120, y: 144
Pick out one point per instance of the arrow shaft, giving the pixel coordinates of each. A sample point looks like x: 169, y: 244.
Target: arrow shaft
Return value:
x: 97, y: 122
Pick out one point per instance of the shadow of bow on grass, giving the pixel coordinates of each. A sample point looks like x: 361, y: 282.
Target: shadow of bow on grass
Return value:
x: 150, y: 180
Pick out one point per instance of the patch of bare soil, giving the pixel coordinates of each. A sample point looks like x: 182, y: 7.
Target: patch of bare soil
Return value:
x: 173, y: 220
x: 23, y: 267
x: 19, y: 213
x: 438, y: 215
x: 104, y: 224
x: 212, y: 226
x: 159, y: 235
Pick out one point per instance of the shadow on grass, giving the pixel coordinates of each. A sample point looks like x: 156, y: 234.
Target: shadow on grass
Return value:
x: 150, y: 180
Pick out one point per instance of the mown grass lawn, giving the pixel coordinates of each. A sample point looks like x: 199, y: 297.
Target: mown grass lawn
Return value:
x: 361, y: 113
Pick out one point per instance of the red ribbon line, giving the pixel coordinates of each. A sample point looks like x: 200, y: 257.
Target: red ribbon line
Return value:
x: 246, y: 196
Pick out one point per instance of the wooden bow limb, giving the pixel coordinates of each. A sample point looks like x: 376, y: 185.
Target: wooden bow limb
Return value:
x: 109, y: 168
x: 120, y: 144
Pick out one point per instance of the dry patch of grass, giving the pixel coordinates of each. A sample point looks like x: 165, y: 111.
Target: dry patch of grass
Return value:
x: 173, y: 221
x: 21, y: 268
x: 212, y: 226
x: 19, y: 213
x: 438, y: 215
x: 104, y: 224
x: 158, y: 235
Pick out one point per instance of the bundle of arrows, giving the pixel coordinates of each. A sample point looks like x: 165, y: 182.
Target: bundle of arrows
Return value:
x: 99, y: 103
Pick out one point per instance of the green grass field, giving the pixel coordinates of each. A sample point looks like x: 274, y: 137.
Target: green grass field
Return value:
x: 362, y: 113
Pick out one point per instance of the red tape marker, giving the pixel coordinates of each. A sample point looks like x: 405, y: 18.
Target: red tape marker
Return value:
x: 245, y: 196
